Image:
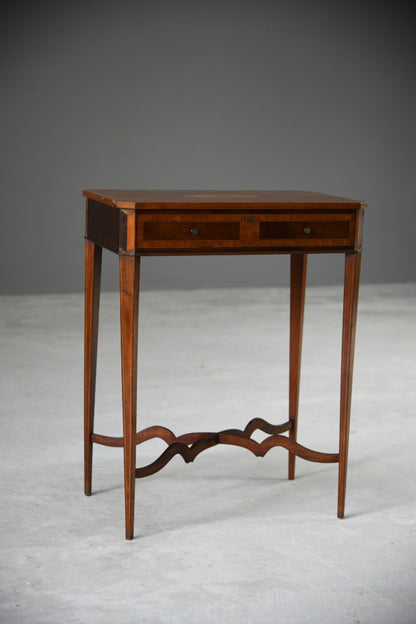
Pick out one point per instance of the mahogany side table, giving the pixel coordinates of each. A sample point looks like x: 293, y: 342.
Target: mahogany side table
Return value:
x: 135, y: 223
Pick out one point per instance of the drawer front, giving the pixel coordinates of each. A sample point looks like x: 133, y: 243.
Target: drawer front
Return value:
x: 189, y: 231
x: 249, y: 232
x: 307, y: 230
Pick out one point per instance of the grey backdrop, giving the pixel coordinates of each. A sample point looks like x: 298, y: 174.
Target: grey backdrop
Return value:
x: 261, y: 94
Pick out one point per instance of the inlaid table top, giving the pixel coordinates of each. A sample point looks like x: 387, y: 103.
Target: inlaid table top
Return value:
x: 150, y: 199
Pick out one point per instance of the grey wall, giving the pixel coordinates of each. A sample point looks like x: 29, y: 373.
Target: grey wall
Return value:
x: 261, y: 94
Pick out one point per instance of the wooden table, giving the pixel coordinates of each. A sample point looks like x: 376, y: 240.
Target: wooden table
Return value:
x: 135, y: 223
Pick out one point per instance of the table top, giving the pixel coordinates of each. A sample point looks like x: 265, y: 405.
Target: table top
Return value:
x: 212, y: 199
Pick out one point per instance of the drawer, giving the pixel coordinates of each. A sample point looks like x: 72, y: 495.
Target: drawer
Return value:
x: 307, y: 230
x: 189, y: 231
x: 158, y: 232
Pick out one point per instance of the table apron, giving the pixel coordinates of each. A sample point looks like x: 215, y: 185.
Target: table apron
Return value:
x: 131, y: 232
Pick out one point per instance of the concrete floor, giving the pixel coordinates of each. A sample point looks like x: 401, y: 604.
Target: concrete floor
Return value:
x: 225, y: 539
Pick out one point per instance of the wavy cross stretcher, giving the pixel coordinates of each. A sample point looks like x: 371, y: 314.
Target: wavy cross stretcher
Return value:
x: 190, y: 445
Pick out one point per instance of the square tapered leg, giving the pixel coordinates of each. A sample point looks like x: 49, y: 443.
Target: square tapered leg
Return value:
x: 351, y: 286
x: 129, y: 314
x: 298, y: 263
x: 93, y: 255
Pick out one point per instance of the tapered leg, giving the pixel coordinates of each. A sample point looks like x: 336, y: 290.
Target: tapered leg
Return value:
x: 351, y: 286
x: 93, y: 255
x: 129, y: 313
x: 298, y: 263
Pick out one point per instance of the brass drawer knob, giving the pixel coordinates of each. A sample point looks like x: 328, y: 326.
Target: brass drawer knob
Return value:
x: 307, y: 229
x: 194, y: 231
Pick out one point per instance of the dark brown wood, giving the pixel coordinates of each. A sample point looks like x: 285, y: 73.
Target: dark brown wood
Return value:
x: 209, y: 232
x: 202, y: 222
x: 93, y: 255
x: 164, y: 231
x: 307, y: 228
x: 351, y: 286
x: 103, y: 224
x: 189, y: 438
x: 195, y: 230
x: 129, y: 313
x: 107, y: 440
x: 262, y: 425
x: 189, y: 446
x: 216, y: 199
x: 261, y: 448
x: 298, y: 264
x: 142, y: 222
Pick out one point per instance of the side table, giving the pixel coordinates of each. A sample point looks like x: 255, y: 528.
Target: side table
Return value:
x: 135, y: 223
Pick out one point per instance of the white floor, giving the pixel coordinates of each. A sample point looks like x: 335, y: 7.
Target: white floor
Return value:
x: 228, y: 538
